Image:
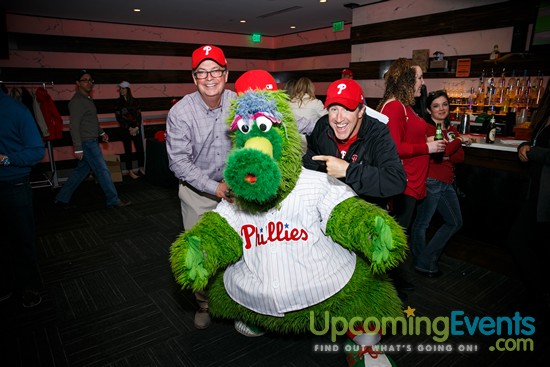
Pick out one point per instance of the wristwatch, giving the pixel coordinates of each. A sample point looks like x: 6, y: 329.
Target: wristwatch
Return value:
x: 5, y: 161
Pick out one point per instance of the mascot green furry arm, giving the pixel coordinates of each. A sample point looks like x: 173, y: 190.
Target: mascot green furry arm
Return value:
x: 212, y: 235
x: 372, y: 232
x: 289, y: 224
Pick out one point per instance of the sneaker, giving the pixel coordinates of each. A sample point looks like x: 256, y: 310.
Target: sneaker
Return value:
x: 202, y: 319
x: 120, y: 204
x: 246, y: 330
x: 5, y: 296
x: 31, y: 298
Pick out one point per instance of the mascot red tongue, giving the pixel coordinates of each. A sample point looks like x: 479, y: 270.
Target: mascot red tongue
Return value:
x: 296, y: 248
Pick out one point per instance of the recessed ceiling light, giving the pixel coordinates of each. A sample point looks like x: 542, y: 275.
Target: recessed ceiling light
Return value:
x: 322, y: 1
x: 242, y: 21
x: 292, y: 27
x: 137, y: 10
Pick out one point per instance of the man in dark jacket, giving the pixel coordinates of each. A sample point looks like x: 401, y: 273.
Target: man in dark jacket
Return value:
x: 353, y: 144
x: 20, y: 149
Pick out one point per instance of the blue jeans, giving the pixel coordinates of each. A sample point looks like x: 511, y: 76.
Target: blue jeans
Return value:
x: 92, y: 160
x: 441, y: 197
x: 18, y: 259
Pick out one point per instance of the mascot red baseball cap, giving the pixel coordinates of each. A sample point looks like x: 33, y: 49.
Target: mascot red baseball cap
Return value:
x: 255, y: 79
x: 208, y: 52
x: 345, y: 92
x: 347, y: 72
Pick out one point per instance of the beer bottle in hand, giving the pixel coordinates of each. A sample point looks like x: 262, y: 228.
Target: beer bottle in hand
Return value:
x: 438, y: 136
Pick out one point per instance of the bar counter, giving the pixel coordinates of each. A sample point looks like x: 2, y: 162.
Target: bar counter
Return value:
x: 494, y: 183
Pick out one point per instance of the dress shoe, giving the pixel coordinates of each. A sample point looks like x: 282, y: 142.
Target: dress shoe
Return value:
x: 202, y: 319
x: 31, y: 298
x: 64, y: 206
x: 120, y: 204
x: 429, y: 274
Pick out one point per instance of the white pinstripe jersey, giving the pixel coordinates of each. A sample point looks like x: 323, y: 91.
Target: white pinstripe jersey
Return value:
x: 288, y: 262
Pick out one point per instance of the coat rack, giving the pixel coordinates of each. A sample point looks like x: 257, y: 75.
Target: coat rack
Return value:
x: 53, y: 180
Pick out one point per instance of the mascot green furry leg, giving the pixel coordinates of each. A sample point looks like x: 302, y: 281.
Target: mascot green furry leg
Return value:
x: 296, y: 246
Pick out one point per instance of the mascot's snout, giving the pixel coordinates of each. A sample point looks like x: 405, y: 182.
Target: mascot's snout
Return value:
x: 261, y: 144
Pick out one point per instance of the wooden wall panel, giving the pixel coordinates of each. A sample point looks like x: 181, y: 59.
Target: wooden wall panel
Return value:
x: 464, y: 20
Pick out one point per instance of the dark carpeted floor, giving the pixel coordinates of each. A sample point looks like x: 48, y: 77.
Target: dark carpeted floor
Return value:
x: 109, y: 299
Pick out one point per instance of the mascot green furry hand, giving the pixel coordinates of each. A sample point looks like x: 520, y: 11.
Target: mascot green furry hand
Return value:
x: 295, y: 244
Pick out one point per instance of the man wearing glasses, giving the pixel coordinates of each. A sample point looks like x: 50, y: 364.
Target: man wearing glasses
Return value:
x: 85, y: 131
x: 198, y: 144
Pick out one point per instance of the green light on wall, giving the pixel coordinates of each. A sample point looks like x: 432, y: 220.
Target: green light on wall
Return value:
x: 256, y: 37
x: 338, y: 26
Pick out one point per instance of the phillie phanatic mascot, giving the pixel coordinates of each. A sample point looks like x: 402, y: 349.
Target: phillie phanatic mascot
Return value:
x: 296, y: 247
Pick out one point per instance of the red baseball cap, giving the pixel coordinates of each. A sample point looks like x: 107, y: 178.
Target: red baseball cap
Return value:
x: 254, y: 80
x: 208, y: 52
x: 347, y: 72
x: 345, y: 92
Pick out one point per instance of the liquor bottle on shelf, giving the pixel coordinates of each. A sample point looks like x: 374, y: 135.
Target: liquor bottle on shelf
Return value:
x: 501, y: 89
x: 491, y: 131
x: 490, y: 99
x: 471, y: 101
x: 480, y: 97
x: 539, y: 91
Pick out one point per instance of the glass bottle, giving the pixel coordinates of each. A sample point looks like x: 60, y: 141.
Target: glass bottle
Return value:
x: 491, y: 131
x: 540, y: 89
x: 480, y: 97
x: 501, y: 89
x: 490, y: 99
x: 438, y: 136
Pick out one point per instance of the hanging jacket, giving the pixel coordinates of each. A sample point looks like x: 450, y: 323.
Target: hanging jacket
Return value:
x: 51, y: 114
x: 39, y: 118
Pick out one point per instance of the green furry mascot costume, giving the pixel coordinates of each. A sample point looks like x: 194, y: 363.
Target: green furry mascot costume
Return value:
x: 295, y: 244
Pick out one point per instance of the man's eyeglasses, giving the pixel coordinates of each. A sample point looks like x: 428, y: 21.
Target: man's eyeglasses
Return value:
x: 202, y: 74
x: 86, y: 80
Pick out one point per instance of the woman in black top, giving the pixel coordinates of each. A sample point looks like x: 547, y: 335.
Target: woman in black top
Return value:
x: 128, y: 115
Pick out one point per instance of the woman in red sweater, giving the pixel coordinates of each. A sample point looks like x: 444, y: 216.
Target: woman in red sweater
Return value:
x: 404, y: 80
x: 441, y: 195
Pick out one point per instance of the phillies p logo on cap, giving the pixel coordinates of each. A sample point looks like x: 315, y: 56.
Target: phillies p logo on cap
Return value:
x: 345, y: 92
x: 208, y: 52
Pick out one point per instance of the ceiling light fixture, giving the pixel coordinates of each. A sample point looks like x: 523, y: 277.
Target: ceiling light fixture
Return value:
x: 292, y: 27
x: 242, y: 21
x: 322, y: 1
x: 137, y: 10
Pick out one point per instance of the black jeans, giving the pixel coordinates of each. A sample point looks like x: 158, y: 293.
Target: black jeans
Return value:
x: 403, y: 210
x: 127, y: 142
x: 18, y: 260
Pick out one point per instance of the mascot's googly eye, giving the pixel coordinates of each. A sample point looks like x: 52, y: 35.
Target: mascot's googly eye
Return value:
x: 263, y: 123
x: 241, y: 124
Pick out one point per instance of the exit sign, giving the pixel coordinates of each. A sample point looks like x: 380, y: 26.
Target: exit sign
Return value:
x: 338, y: 26
x: 256, y: 37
